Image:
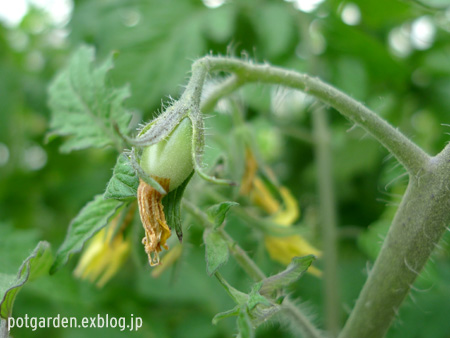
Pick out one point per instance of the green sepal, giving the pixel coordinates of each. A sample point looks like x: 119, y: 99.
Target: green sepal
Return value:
x: 256, y: 308
x: 172, y: 207
x: 143, y: 175
x: 218, y: 212
x: 226, y: 314
x: 255, y: 298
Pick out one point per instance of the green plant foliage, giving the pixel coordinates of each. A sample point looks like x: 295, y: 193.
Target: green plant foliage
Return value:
x: 292, y: 273
x: 245, y: 325
x: 83, y: 107
x: 172, y: 207
x: 216, y: 251
x: 393, y: 57
x: 35, y: 265
x: 218, y: 212
x: 93, y: 217
x: 124, y: 182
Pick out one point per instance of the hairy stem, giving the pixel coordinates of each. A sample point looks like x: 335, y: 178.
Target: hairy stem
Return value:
x: 416, y: 229
x: 246, y: 263
x: 298, y: 318
x: 250, y: 267
x: 328, y: 221
x: 420, y: 220
x: 409, y: 154
x: 225, y: 88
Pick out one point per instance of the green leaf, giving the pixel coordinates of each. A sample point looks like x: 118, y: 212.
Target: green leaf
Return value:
x: 172, y: 207
x: 94, y: 216
x: 216, y: 251
x: 124, y: 182
x: 226, y: 314
x: 255, y: 298
x: 260, y: 309
x: 293, y: 272
x: 35, y: 265
x: 244, y: 325
x: 218, y: 212
x: 84, y: 107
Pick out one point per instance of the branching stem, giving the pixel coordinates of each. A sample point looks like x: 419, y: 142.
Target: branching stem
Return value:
x: 250, y: 267
x: 409, y: 154
x: 419, y: 223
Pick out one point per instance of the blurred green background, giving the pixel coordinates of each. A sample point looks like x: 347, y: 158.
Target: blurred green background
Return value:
x: 394, y: 56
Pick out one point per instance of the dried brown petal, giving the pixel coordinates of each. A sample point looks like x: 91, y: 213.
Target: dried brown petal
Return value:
x: 153, y: 220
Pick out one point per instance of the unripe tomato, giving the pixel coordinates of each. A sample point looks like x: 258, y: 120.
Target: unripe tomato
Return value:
x: 172, y: 157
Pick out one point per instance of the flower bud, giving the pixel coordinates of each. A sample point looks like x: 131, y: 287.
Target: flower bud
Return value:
x: 171, y: 158
x: 169, y: 162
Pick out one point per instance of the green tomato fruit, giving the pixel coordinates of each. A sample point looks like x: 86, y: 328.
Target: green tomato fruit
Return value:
x: 172, y: 157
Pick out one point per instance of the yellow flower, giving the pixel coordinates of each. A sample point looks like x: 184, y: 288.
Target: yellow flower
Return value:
x: 103, y: 256
x: 280, y: 249
x: 283, y: 249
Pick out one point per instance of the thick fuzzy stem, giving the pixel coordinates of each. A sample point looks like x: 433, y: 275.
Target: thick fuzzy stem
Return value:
x: 415, y: 231
x: 421, y: 218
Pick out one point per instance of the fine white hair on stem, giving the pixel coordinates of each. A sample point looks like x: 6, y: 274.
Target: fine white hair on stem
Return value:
x: 405, y: 174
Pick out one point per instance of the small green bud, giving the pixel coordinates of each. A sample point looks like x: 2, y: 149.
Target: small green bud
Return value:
x: 171, y: 158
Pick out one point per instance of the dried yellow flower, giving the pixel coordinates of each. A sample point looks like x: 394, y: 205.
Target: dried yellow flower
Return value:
x: 153, y: 219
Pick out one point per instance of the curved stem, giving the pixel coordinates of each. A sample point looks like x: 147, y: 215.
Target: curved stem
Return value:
x: 409, y: 154
x: 225, y: 88
x: 420, y: 221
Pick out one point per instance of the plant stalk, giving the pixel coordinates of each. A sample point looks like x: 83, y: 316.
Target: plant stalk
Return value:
x: 225, y: 88
x: 416, y: 229
x: 250, y: 267
x: 328, y: 221
x: 420, y: 220
x: 408, y: 153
